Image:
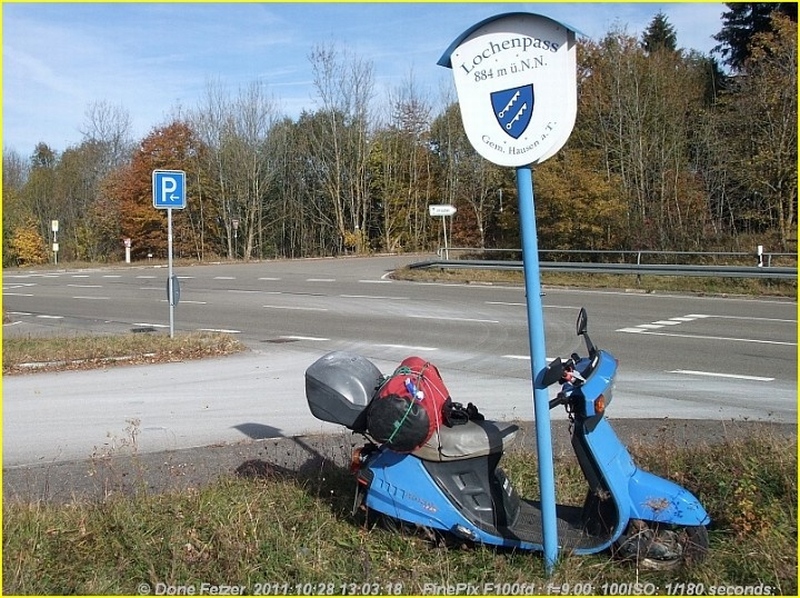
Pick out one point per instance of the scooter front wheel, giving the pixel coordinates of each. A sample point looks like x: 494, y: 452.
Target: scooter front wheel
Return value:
x: 660, y: 546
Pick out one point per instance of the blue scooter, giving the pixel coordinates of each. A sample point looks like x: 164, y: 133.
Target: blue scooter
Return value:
x: 453, y: 485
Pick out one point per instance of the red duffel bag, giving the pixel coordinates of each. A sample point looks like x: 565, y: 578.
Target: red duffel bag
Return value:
x: 407, y: 407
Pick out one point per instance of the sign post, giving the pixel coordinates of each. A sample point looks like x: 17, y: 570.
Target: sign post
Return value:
x: 54, y: 228
x: 169, y: 192
x: 516, y: 79
x: 443, y: 210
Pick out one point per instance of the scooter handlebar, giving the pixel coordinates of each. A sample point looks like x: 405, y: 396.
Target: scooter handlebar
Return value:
x: 561, y: 399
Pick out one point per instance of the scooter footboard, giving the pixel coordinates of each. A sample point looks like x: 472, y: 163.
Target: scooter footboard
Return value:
x: 402, y: 488
x: 655, y: 499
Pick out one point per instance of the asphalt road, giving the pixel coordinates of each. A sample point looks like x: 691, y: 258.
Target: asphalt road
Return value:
x: 681, y: 357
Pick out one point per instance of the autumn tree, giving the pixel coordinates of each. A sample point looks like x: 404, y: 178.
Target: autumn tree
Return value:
x: 129, y: 194
x: 759, y: 115
x: 639, y: 111
x: 28, y: 247
x: 577, y: 206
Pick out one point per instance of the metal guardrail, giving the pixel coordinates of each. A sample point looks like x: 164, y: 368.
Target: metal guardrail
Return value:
x: 758, y: 257
x: 636, y: 269
x: 762, y: 261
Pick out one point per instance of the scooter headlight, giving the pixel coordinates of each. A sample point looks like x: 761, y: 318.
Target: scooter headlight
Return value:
x: 600, y: 404
x: 602, y: 401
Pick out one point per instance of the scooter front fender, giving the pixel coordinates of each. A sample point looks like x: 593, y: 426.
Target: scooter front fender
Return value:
x: 655, y: 499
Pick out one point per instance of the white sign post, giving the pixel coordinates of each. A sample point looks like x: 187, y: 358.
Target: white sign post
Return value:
x: 516, y: 79
x: 169, y: 192
x: 54, y: 228
x: 443, y: 210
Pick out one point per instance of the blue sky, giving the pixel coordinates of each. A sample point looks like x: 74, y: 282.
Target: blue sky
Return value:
x: 151, y: 58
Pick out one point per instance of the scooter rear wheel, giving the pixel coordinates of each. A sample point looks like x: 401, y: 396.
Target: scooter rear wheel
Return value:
x: 662, y: 547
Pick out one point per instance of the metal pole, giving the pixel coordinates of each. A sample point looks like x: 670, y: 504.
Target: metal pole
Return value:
x: 170, y: 281
x: 544, y: 445
x: 444, y: 230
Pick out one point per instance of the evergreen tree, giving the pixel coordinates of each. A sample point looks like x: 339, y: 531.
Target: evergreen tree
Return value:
x: 741, y: 22
x: 660, y: 35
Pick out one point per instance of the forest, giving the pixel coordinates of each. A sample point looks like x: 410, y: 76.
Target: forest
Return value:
x: 672, y: 150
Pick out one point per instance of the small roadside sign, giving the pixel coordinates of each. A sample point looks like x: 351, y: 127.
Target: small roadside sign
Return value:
x: 169, y: 189
x: 441, y: 210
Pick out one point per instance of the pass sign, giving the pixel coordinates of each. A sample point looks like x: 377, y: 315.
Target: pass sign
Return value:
x: 169, y: 189
x: 516, y: 80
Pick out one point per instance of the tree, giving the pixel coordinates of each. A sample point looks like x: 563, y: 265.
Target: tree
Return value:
x: 128, y: 195
x: 235, y: 133
x: 659, y: 35
x: 741, y: 22
x: 108, y: 129
x: 761, y: 109
x: 28, y: 248
x: 340, y: 141
x: 401, y: 172
x: 639, y: 112
x: 577, y: 207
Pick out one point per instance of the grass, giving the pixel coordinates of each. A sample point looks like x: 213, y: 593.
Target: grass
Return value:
x: 27, y: 354
x: 294, y: 530
x: 647, y: 284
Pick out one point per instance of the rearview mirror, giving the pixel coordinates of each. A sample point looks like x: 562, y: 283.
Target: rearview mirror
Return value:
x: 582, y: 324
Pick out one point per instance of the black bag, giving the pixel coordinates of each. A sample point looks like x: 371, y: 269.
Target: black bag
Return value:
x: 400, y: 423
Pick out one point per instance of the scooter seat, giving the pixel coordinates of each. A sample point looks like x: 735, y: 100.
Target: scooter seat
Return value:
x: 473, y: 439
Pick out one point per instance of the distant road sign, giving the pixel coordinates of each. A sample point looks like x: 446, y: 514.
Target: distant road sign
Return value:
x: 169, y: 189
x: 441, y: 210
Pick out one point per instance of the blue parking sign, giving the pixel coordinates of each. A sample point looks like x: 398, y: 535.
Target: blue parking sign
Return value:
x: 169, y: 189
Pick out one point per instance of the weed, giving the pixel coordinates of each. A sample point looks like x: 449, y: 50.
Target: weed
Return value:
x: 287, y: 532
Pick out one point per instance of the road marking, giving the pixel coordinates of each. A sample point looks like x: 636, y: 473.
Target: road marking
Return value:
x: 80, y: 276
x: 712, y: 338
x: 294, y: 307
x: 46, y: 317
x: 408, y: 347
x: 147, y: 276
x: 291, y: 337
x: 320, y: 280
x: 508, y: 303
x: 224, y: 278
x: 372, y: 297
x: 18, y: 294
x: 719, y: 375
x: 526, y: 358
x: 450, y: 319
x: 269, y: 278
x: 221, y: 330
x: 147, y: 324
x: 112, y: 276
x: 754, y: 319
x: 85, y: 286
x: 376, y: 281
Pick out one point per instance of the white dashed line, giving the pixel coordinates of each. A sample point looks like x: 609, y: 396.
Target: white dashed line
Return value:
x: 447, y: 319
x: 294, y: 307
x: 719, y: 375
x: 408, y: 347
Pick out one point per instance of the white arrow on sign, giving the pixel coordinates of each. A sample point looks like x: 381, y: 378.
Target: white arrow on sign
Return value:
x: 441, y: 210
